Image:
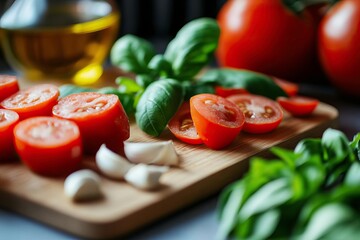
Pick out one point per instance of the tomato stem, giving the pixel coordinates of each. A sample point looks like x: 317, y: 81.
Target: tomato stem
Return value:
x: 298, y: 6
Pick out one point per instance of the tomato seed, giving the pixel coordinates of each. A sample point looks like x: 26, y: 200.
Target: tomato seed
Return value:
x: 186, y: 124
x: 2, y: 117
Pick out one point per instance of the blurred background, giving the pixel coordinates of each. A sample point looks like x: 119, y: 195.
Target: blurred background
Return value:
x: 155, y: 20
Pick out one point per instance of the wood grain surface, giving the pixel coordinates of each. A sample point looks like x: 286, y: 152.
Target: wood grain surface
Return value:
x: 123, y: 209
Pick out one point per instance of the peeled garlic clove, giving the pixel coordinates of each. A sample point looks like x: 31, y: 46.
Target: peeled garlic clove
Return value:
x: 111, y: 164
x: 161, y: 153
x: 144, y: 176
x: 82, y: 185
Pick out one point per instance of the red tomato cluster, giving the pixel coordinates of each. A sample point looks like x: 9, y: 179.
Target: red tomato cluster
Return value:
x: 50, y: 135
x: 217, y: 121
x: 270, y: 37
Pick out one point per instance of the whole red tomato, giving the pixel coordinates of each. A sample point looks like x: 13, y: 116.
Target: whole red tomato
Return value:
x: 265, y: 36
x: 339, y: 45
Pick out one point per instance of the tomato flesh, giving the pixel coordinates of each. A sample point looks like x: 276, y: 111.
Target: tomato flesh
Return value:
x: 217, y: 120
x: 8, y: 120
x: 100, y: 117
x: 8, y: 86
x: 49, y: 146
x: 262, y: 114
x: 34, y: 101
x: 182, y: 125
x: 298, y: 105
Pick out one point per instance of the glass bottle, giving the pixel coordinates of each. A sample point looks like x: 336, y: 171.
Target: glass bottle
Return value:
x: 52, y: 39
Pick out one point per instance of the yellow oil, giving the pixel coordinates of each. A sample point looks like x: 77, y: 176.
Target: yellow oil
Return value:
x: 52, y: 49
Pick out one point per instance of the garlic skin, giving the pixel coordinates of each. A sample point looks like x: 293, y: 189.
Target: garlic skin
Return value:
x: 111, y: 164
x: 159, y: 153
x: 145, y: 177
x: 83, y: 185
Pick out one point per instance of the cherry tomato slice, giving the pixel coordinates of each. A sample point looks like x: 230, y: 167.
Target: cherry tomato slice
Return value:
x: 261, y: 114
x: 225, y: 92
x: 8, y: 120
x: 298, y: 105
x: 8, y: 86
x: 182, y: 126
x: 34, y: 101
x: 217, y: 120
x: 291, y: 89
x: 100, y: 117
x: 49, y: 146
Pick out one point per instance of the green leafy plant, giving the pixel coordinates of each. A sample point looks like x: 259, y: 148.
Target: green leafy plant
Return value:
x: 311, y: 192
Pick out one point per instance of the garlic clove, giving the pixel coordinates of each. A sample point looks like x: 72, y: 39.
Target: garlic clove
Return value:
x: 82, y: 185
x: 161, y: 153
x: 145, y: 177
x: 111, y: 164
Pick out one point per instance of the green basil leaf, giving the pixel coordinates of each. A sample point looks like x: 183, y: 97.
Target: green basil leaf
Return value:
x: 352, y: 177
x: 309, y: 150
x: 194, y: 88
x: 68, y: 89
x: 355, y: 145
x: 253, y: 82
x: 144, y: 80
x: 127, y: 85
x: 269, y: 196
x: 325, y: 218
x: 230, y: 205
x: 157, y: 105
x: 193, y: 47
x: 161, y: 66
x: 132, y: 54
x: 337, y: 146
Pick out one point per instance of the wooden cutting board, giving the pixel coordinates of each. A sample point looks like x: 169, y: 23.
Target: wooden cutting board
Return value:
x: 123, y: 209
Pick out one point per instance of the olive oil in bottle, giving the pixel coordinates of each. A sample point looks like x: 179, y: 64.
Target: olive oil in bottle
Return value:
x: 68, y: 39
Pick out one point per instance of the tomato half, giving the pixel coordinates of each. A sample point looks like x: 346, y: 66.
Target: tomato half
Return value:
x: 290, y: 88
x: 8, y: 120
x: 182, y: 125
x: 298, y: 105
x: 225, y: 92
x: 8, y: 86
x: 265, y: 36
x: 100, y: 117
x: 34, y: 101
x: 261, y: 114
x: 49, y: 146
x: 217, y: 120
x: 339, y: 47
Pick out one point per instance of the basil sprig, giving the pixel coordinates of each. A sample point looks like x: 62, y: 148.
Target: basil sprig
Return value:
x: 309, y: 193
x: 162, y: 79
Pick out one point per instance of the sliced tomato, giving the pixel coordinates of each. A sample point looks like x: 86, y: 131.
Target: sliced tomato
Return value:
x: 290, y: 88
x: 225, y: 92
x: 49, y: 146
x: 261, y: 114
x: 182, y: 125
x: 100, y: 117
x: 8, y: 86
x: 217, y: 120
x: 8, y: 120
x: 34, y: 101
x: 298, y: 105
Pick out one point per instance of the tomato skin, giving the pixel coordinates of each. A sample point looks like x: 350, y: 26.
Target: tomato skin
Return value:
x: 104, y: 123
x: 49, y: 146
x: 339, y: 48
x: 290, y: 88
x: 34, y: 101
x: 8, y: 120
x: 182, y: 126
x: 298, y: 106
x: 225, y: 92
x: 257, y: 120
x: 217, y: 120
x: 265, y: 36
x: 8, y: 86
